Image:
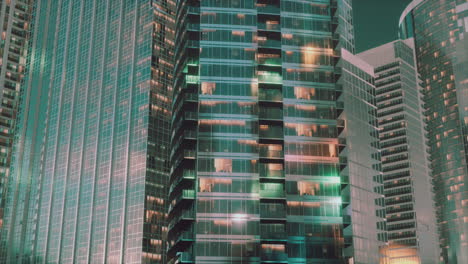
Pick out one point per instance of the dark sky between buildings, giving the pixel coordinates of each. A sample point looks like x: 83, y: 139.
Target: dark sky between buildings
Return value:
x: 376, y: 22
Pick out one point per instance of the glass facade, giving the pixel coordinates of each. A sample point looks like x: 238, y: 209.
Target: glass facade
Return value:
x: 14, y: 21
x: 365, y: 189
x: 255, y: 166
x: 440, y: 30
x: 89, y: 170
x: 410, y: 218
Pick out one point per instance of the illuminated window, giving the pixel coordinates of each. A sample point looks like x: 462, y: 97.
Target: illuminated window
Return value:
x: 223, y: 165
x: 208, y: 88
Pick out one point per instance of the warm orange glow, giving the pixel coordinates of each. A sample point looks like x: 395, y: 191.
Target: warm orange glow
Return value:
x: 304, y: 93
x: 223, y: 165
x: 247, y: 142
x: 238, y: 33
x: 222, y: 222
x: 273, y: 247
x: 223, y: 122
x: 208, y: 88
x: 396, y: 254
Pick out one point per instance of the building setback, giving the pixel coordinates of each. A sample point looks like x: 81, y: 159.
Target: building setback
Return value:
x: 411, y: 225
x: 15, y: 18
x: 440, y: 31
x: 89, y: 174
x: 256, y: 173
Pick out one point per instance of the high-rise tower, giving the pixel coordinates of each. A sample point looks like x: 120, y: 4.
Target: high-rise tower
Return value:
x: 15, y: 18
x: 440, y: 30
x: 255, y: 174
x: 365, y: 226
x: 89, y: 176
x: 411, y: 225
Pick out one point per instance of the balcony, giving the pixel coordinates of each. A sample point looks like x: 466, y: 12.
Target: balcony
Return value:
x: 191, y: 97
x: 182, y: 217
x: 277, y: 257
x: 269, y: 27
x: 192, y: 79
x: 268, y: 9
x: 185, y: 195
x: 270, y: 95
x: 267, y: 77
x: 346, y: 220
x: 280, y: 236
x: 268, y: 61
x: 180, y: 240
x: 185, y: 257
x: 271, y: 154
x: 272, y: 191
x: 270, y: 113
x: 277, y: 213
x: 271, y: 132
x: 271, y: 174
x: 186, y: 175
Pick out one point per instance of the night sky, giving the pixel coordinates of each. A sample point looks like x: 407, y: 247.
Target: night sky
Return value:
x: 376, y: 22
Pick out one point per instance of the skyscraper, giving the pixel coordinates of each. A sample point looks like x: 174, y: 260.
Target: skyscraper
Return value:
x: 366, y: 224
x: 255, y: 174
x: 440, y: 29
x: 411, y: 225
x: 89, y: 175
x: 15, y: 18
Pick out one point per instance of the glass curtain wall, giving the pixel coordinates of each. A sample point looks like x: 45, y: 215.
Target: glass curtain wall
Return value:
x: 255, y: 172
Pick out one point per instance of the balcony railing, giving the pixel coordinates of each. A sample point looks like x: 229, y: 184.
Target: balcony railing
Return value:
x: 271, y: 114
x: 272, y: 194
x: 273, y: 174
x: 274, y: 236
x: 272, y: 133
x: 275, y: 257
x: 272, y: 96
x: 268, y: 9
x: 270, y: 61
x: 269, y: 27
x: 185, y: 257
x: 277, y: 213
x: 271, y: 154
x: 270, y: 78
x: 187, y: 214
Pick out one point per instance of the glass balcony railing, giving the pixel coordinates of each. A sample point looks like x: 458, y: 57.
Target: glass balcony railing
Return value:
x: 346, y: 220
x: 274, y: 236
x: 277, y: 213
x: 270, y: 61
x: 274, y: 256
x: 193, y: 27
x: 185, y: 257
x: 269, y: 43
x: 190, y: 134
x: 185, y: 195
x: 272, y: 193
x: 192, y: 79
x: 191, y: 116
x: 190, y: 154
x: 272, y: 133
x: 186, y: 174
x: 268, y: 9
x: 273, y: 174
x: 271, y: 113
x: 271, y: 154
x: 192, y: 97
x: 269, y: 27
x: 270, y: 95
x: 188, y: 194
x: 187, y: 214
x: 183, y: 237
